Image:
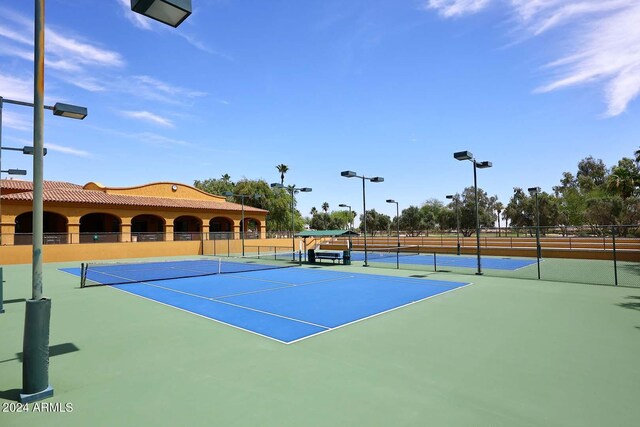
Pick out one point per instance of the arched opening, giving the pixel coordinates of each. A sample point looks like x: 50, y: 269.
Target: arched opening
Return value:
x: 220, y: 228
x: 54, y: 228
x: 99, y: 228
x: 186, y: 228
x: 252, y: 227
x: 147, y: 228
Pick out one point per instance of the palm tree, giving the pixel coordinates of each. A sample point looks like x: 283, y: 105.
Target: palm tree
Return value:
x: 325, y: 207
x: 313, y: 211
x: 225, y: 178
x: 637, y: 154
x: 282, y: 168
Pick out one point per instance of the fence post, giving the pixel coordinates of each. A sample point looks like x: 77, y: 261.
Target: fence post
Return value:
x: 615, y: 263
x: 1, y: 294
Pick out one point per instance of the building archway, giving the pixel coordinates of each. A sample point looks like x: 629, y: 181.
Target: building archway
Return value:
x: 252, y: 227
x: 220, y: 228
x: 99, y: 228
x: 147, y: 228
x: 55, y: 228
x: 187, y: 227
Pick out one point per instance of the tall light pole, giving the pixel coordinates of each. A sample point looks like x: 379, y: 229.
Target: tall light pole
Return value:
x: 35, y: 365
x: 397, y: 231
x: 242, y: 197
x: 397, y: 219
x: 352, y: 174
x: 534, y: 191
x: 455, y: 199
x: 342, y: 205
x: 466, y: 155
x: 293, y: 191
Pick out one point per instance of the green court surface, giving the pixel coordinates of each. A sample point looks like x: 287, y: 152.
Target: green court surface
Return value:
x: 501, y: 352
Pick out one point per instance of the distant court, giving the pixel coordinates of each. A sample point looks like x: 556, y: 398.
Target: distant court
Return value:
x: 461, y: 261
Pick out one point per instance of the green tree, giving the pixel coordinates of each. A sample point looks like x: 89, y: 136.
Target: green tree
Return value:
x: 215, y: 186
x: 325, y: 207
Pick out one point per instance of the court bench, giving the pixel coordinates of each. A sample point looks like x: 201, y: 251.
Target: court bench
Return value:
x: 333, y: 256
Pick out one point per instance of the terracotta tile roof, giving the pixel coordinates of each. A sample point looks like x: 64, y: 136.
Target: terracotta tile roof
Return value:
x: 18, y: 184
x: 58, y: 195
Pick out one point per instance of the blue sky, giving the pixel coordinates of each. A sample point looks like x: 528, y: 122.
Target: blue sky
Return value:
x: 386, y: 88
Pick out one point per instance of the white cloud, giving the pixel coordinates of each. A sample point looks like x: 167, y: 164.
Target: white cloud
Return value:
x: 153, y: 138
x: 67, y: 150
x: 450, y: 8
x: 135, y: 18
x: 603, y: 38
x: 148, y: 117
x: 17, y: 88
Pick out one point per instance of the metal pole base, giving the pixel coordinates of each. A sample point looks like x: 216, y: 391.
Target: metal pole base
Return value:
x: 479, y: 274
x: 44, y: 394
x: 35, y: 364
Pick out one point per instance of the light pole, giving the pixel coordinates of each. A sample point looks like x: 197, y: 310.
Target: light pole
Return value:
x: 534, y: 191
x: 293, y: 191
x: 342, y: 205
x: 242, y: 197
x: 352, y: 174
x: 455, y: 199
x: 397, y: 231
x: 35, y: 365
x: 397, y: 219
x: 466, y: 155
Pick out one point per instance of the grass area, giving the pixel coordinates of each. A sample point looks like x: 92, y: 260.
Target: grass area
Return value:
x: 502, y: 352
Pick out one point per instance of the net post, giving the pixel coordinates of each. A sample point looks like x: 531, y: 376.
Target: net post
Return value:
x: 83, y: 275
x: 435, y: 267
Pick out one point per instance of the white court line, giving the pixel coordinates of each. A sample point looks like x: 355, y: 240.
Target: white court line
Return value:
x: 327, y: 329
x: 377, y: 314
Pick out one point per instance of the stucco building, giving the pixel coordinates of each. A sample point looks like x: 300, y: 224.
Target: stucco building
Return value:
x: 93, y: 213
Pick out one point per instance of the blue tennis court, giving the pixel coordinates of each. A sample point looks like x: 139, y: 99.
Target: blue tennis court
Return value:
x: 461, y: 261
x: 287, y: 304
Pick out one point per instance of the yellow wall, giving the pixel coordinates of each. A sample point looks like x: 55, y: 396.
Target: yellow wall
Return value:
x: 106, y: 251
x: 158, y: 189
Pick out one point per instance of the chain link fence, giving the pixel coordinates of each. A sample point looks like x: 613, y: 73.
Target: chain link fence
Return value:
x: 604, y: 255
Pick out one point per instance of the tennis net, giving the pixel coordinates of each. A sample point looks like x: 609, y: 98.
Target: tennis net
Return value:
x: 392, y: 252
x: 118, y: 273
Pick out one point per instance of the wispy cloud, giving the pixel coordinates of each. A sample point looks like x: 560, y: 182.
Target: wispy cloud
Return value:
x: 135, y: 18
x: 152, y: 138
x: 148, y: 117
x: 17, y: 88
x: 67, y: 150
x: 603, y: 39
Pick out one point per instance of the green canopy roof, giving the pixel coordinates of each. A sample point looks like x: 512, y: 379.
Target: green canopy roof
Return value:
x: 327, y: 233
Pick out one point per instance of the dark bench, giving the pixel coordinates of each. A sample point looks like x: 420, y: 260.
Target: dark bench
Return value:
x: 333, y: 256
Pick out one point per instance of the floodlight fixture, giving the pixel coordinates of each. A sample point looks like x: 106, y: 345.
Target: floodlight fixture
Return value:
x: 170, y: 12
x: 348, y: 174
x: 463, y: 155
x: 533, y: 190
x: 70, y: 111
x: 377, y: 179
x: 305, y: 190
x: 449, y: 196
x: 29, y: 150
x: 484, y: 165
x: 15, y: 172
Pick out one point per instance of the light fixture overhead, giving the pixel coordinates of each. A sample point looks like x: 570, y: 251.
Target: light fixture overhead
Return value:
x: 70, y: 111
x: 463, y: 155
x: 348, y: 174
x: 170, y: 12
